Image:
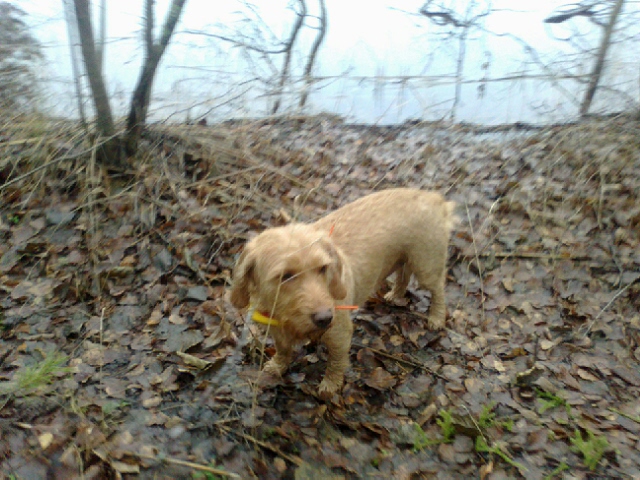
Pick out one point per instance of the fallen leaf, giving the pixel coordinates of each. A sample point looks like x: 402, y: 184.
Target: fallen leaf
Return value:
x: 485, y: 470
x: 586, y: 375
x: 45, y: 440
x: 124, y: 467
x: 380, y: 379
x: 193, y: 361
x: 546, y: 344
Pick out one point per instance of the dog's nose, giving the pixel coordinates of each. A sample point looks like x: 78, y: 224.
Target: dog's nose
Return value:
x: 323, y: 319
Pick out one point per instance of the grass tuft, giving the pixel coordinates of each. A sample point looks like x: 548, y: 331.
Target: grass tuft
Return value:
x: 592, y: 449
x: 28, y: 380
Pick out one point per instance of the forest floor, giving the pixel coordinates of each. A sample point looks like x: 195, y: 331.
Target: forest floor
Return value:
x: 121, y: 358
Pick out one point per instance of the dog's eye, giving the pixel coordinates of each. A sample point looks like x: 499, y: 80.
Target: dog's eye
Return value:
x: 323, y: 269
x: 286, y: 276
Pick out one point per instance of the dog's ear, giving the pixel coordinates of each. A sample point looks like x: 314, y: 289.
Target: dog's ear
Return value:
x: 337, y: 288
x: 243, y: 276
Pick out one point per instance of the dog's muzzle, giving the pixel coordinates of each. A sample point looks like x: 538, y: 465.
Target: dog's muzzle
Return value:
x: 322, y: 319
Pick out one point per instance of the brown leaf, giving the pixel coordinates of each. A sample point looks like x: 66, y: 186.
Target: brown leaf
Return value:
x: 485, y: 470
x: 253, y: 417
x: 152, y: 402
x: 193, y: 361
x: 367, y: 359
x: 473, y: 385
x: 124, y: 467
x: 630, y: 376
x: 9, y: 259
x: 586, y: 375
x: 21, y: 234
x: 507, y: 283
x: 45, y: 440
x: 447, y: 453
x: 380, y: 379
x: 491, y: 361
x: 219, y: 334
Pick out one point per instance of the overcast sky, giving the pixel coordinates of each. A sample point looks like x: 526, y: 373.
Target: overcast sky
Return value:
x: 372, y: 38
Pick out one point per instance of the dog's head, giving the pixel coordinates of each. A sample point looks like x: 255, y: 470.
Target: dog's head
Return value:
x: 293, y: 274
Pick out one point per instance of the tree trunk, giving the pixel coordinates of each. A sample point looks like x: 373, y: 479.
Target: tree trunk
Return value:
x: 109, y: 151
x: 105, y: 123
x: 74, y: 43
x: 314, y: 53
x: 462, y: 53
x: 594, y: 79
x: 153, y: 54
x: 102, y: 34
x: 288, y: 53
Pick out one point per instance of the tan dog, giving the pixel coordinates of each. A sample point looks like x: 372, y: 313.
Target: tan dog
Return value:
x: 298, y: 277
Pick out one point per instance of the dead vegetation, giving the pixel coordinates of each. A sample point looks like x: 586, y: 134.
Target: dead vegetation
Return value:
x: 120, y: 355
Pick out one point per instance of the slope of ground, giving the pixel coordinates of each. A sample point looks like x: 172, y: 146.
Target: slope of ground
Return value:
x: 120, y: 356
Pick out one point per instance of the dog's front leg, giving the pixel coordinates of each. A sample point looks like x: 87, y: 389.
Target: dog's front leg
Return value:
x: 280, y: 362
x: 338, y: 342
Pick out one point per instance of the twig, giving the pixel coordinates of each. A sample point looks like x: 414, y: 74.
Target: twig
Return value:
x: 536, y: 255
x: 635, y: 418
x: 295, y: 460
x: 412, y: 363
x: 477, y: 257
x: 613, y: 299
x: 184, y: 463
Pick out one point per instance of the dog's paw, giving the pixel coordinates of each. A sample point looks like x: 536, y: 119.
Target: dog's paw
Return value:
x: 327, y: 389
x: 274, y: 368
x: 389, y: 296
x: 435, y: 323
x: 395, y: 299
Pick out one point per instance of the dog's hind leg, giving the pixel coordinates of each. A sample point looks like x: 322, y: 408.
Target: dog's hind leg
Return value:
x: 438, y: 308
x: 402, y: 277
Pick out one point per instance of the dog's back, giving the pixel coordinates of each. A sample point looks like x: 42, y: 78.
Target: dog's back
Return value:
x: 394, y: 228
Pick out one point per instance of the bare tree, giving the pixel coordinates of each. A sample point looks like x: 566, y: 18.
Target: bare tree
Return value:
x: 110, y: 153
x: 596, y: 73
x: 461, y: 25
x: 288, y: 53
x: 153, y: 54
x: 311, y: 59
x: 114, y: 149
x: 262, y: 48
x: 595, y: 11
x: 74, y: 46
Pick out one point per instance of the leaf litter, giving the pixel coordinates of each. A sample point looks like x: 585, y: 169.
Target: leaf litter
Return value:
x: 120, y: 356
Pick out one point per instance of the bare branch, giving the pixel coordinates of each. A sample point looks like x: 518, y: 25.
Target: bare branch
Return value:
x: 102, y: 34
x: 295, y: 30
x: 322, y: 31
x: 441, y: 18
x: 600, y: 58
x: 238, y: 43
x: 579, y: 11
x: 148, y: 26
x: 142, y: 93
x: 173, y: 15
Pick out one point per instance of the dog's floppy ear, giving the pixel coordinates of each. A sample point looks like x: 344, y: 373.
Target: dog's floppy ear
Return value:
x: 337, y: 288
x: 243, y: 276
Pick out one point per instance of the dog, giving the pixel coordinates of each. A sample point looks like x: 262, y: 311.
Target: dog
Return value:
x: 303, y: 278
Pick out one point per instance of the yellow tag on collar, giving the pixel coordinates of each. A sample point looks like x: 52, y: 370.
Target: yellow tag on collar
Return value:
x: 263, y: 319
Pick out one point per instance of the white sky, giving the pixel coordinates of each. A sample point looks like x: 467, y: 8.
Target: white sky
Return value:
x: 364, y: 38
